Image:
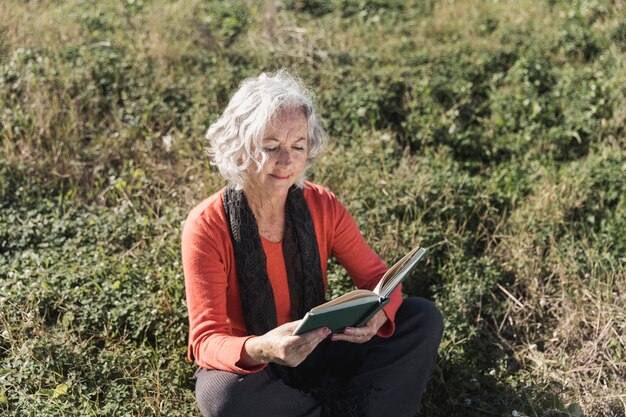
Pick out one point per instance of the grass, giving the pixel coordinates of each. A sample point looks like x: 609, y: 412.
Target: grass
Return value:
x: 490, y: 131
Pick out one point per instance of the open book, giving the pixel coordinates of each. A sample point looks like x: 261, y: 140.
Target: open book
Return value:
x: 355, y: 308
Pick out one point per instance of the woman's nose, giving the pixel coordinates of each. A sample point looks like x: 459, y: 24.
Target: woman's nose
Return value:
x: 284, y: 157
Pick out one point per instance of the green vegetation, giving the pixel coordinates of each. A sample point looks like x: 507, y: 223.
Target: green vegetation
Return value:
x: 490, y: 131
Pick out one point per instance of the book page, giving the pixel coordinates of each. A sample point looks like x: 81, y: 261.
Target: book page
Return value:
x: 370, y: 297
x: 393, y: 270
x: 352, y: 295
x: 398, y: 272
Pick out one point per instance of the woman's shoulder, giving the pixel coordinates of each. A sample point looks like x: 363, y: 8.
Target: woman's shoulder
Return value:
x: 321, y: 198
x: 209, y: 211
x: 317, y: 192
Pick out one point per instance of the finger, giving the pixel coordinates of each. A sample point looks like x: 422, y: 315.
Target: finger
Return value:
x: 365, y: 331
x: 314, y: 337
x: 349, y: 338
x: 355, y: 334
x: 305, y: 344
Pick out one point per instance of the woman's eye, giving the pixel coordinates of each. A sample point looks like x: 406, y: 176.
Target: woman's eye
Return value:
x: 298, y: 148
x: 270, y: 150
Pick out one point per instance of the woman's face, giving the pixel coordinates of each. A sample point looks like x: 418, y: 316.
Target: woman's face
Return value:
x: 286, y: 142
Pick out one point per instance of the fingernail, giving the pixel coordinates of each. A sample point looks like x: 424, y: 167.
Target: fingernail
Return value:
x: 326, y: 331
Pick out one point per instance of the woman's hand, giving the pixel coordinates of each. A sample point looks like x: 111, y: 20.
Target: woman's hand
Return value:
x: 279, y: 346
x: 362, y: 334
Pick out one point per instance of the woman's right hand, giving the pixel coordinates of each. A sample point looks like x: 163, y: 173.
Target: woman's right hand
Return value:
x: 279, y: 346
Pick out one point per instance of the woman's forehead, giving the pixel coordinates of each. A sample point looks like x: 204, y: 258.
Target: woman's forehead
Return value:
x: 292, y: 121
x: 289, y: 113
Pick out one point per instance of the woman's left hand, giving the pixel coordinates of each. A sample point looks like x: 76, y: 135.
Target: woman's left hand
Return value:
x: 362, y: 334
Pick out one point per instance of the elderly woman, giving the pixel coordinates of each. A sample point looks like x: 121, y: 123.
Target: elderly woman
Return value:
x: 255, y: 256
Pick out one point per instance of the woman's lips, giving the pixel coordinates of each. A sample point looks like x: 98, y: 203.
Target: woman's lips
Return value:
x: 280, y: 177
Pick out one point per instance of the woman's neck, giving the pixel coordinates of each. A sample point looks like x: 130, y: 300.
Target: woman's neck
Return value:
x: 269, y: 212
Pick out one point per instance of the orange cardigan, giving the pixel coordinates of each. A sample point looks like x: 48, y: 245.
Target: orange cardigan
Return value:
x: 217, y: 330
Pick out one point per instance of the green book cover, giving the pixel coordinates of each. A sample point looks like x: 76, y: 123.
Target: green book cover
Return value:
x: 337, y: 320
x: 355, y: 308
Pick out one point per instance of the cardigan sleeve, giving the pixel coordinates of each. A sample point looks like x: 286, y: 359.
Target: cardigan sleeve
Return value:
x: 363, y: 265
x: 211, y: 341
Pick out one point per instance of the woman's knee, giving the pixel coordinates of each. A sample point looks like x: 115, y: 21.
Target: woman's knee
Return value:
x: 220, y: 393
x: 421, y: 315
x: 210, y: 387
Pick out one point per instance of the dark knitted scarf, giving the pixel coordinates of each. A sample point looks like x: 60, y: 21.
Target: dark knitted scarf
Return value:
x: 302, y: 260
x: 304, y: 275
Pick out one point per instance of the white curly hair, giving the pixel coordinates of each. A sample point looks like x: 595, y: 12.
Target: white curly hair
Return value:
x: 235, y: 139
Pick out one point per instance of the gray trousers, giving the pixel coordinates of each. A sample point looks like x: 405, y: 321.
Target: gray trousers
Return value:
x: 396, y: 371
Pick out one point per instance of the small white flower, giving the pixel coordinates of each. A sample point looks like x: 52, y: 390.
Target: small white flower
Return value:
x: 167, y: 142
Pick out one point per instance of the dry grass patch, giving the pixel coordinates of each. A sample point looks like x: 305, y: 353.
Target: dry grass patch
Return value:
x: 42, y: 24
x: 567, y: 311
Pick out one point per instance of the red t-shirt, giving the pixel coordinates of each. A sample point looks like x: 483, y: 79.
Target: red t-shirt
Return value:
x: 217, y: 330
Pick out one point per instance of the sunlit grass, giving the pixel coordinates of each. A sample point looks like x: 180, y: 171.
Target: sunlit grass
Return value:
x: 490, y: 131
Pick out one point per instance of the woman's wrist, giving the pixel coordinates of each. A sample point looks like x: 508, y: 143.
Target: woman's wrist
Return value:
x: 251, y: 353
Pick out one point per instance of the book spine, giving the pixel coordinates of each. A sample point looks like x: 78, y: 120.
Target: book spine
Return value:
x: 382, y: 301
